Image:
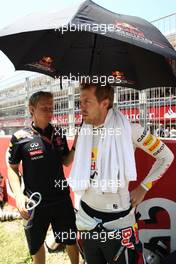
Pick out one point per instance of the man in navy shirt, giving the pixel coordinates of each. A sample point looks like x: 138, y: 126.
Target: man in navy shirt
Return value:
x: 43, y: 150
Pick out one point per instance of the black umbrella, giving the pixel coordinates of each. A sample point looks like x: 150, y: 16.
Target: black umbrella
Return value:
x: 87, y: 39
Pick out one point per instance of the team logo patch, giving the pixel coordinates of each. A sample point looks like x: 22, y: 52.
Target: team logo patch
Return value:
x: 126, y: 235
x: 36, y: 152
x: 155, y: 145
x: 148, y: 140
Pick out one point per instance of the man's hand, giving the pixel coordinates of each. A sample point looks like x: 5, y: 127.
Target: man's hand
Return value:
x: 137, y: 195
x: 20, y: 203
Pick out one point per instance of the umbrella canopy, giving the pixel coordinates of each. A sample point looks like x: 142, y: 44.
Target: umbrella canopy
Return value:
x: 88, y: 40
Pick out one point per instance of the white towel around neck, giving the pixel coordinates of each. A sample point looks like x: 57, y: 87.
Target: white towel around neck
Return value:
x: 115, y: 157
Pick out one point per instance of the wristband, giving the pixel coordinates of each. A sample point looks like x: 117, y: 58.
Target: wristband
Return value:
x: 145, y: 187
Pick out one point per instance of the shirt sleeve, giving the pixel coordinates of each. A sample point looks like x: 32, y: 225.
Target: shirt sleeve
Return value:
x: 152, y: 145
x: 14, y: 151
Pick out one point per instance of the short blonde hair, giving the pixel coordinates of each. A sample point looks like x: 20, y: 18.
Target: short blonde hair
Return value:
x: 102, y: 91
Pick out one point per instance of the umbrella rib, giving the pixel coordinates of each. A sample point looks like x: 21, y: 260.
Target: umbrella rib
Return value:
x: 93, y: 52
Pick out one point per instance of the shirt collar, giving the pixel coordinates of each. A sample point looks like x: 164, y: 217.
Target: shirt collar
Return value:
x: 47, y: 131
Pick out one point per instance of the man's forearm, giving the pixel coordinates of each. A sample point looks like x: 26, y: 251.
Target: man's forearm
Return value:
x: 14, y: 180
x: 157, y: 149
x: 67, y: 160
x: 13, y: 176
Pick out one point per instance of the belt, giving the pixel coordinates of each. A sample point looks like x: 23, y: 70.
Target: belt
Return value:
x: 105, y: 217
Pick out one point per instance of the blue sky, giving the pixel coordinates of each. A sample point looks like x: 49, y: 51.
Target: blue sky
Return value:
x: 148, y: 9
x: 13, y: 9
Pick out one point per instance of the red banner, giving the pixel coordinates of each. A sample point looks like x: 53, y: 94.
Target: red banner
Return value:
x: 153, y: 114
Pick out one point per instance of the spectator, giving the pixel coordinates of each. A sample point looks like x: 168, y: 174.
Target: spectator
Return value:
x: 173, y: 132
x: 2, y: 132
x: 167, y: 132
x: 160, y: 131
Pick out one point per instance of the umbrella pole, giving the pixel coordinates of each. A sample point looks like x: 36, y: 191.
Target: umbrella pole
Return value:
x: 92, y: 55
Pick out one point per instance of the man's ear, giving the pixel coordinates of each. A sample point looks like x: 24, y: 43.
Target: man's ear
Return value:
x: 31, y: 109
x: 105, y: 103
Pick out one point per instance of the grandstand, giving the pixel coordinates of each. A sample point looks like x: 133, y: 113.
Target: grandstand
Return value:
x: 150, y: 107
